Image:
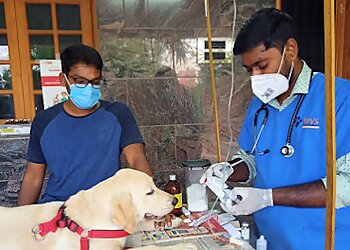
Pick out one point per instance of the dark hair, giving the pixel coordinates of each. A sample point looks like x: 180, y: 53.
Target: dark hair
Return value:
x: 75, y: 54
x: 268, y: 26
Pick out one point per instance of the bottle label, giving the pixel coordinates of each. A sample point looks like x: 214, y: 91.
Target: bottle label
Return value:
x: 179, y: 200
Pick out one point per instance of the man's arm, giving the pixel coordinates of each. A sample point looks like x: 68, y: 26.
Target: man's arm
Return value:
x: 244, y: 171
x: 32, y: 183
x: 241, y: 172
x: 136, y: 157
x: 306, y: 195
x: 314, y: 194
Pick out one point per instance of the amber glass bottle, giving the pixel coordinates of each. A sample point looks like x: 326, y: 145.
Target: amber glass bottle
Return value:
x: 173, y: 187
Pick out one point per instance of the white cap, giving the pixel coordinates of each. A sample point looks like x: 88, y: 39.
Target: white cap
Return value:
x: 172, y: 177
x: 262, y: 237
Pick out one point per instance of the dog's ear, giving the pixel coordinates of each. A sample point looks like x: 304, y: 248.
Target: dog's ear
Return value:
x: 124, y: 212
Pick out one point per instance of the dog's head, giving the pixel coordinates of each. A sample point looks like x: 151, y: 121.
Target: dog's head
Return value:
x: 137, y: 199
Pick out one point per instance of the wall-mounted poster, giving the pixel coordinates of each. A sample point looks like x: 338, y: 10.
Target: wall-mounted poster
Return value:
x: 53, y: 91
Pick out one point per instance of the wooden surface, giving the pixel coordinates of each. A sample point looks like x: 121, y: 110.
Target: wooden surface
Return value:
x: 342, y: 38
x: 16, y: 91
x: 278, y: 4
x: 330, y: 120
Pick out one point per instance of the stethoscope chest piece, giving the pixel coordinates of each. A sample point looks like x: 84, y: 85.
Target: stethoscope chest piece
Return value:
x: 287, y: 150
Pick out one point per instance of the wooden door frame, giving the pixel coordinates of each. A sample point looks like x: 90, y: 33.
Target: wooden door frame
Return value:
x: 342, y: 40
x: 23, y: 38
x: 14, y: 59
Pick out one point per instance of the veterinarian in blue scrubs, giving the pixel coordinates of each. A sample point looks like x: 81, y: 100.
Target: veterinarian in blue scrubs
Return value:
x: 282, y: 141
x: 80, y: 140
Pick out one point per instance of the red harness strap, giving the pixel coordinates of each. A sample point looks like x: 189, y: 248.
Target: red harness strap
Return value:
x: 62, y: 221
x: 100, y: 234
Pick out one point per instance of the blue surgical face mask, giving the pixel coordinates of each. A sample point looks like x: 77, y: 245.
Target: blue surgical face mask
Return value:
x: 84, y: 98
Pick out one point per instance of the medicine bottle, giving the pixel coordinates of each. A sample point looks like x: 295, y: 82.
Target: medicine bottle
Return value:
x: 245, y: 231
x: 173, y: 187
x: 261, y: 243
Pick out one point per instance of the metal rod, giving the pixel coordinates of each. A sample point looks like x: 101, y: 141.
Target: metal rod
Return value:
x: 213, y: 85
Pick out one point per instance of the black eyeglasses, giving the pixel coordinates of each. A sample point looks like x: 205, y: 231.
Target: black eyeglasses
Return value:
x: 83, y: 82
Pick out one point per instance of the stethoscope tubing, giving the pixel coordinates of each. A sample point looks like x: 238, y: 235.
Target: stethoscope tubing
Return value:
x: 290, y: 129
x: 257, y: 137
x: 291, y: 125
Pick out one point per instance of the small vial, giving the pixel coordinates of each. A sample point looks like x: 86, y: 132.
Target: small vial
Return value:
x: 245, y: 231
x: 261, y: 243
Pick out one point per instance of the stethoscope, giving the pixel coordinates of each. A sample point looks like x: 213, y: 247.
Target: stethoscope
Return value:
x: 287, y: 150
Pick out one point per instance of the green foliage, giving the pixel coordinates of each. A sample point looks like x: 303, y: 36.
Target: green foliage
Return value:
x: 42, y: 52
x: 5, y: 82
x: 132, y: 57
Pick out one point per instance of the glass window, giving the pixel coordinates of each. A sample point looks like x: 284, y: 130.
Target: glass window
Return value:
x: 41, y: 47
x: 7, y: 109
x: 39, y: 104
x: 5, y: 77
x: 4, y: 47
x: 36, y: 77
x: 2, y: 16
x: 68, y: 17
x: 68, y: 40
x: 39, y: 16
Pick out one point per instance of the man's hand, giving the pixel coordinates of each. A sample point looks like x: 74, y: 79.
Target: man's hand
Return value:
x: 223, y: 170
x: 252, y: 200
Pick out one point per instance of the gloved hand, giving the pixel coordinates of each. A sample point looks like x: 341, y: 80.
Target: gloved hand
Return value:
x: 252, y: 200
x: 223, y: 170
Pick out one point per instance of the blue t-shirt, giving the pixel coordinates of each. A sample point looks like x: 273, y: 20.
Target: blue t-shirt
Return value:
x: 80, y: 151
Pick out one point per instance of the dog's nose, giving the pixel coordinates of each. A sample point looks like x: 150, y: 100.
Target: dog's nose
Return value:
x: 174, y: 201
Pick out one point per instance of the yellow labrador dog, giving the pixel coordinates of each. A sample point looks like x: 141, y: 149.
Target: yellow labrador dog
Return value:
x: 128, y: 201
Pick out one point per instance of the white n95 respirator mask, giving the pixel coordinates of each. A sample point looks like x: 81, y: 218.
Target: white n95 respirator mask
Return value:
x: 269, y: 86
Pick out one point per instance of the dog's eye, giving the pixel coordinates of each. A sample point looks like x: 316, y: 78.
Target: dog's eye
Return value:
x: 150, y: 192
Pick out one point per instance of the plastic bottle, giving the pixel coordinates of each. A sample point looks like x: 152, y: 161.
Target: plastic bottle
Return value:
x: 245, y: 231
x: 173, y: 187
x: 261, y: 243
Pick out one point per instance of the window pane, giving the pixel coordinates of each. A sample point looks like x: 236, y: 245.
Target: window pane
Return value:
x: 41, y: 47
x: 2, y: 17
x: 68, y: 17
x: 39, y: 16
x: 7, y: 109
x: 4, y: 48
x: 68, y: 40
x: 36, y: 76
x: 39, y: 105
x: 5, y: 77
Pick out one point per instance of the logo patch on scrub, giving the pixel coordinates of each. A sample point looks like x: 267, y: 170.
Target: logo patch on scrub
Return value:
x: 311, y: 123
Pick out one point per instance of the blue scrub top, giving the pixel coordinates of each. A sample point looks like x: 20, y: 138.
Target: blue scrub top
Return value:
x: 290, y: 227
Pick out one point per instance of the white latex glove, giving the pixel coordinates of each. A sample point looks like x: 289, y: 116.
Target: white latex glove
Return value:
x: 252, y: 200
x: 223, y: 170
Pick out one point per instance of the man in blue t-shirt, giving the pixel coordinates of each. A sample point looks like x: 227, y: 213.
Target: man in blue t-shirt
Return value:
x: 80, y: 140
